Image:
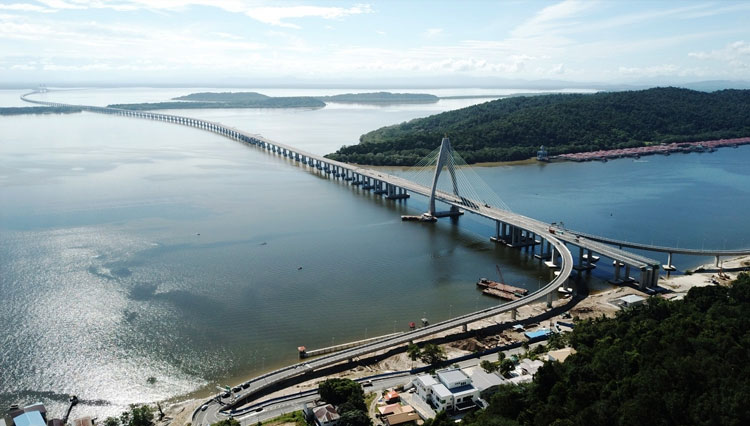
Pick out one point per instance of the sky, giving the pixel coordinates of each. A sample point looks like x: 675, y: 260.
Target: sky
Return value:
x: 447, y: 42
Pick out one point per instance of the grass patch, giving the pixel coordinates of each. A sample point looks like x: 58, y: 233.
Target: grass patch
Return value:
x: 294, y: 417
x: 369, y: 398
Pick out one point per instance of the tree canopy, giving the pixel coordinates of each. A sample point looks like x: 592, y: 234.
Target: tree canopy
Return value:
x: 514, y: 128
x: 349, y: 398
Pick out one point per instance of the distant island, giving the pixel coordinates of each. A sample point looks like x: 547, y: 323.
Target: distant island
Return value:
x: 382, y: 98
x: 39, y: 110
x: 205, y: 100
x: 513, y: 128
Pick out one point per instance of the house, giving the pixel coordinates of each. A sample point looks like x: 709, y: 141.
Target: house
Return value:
x: 486, y: 383
x: 392, y: 397
x: 631, y: 300
x: 31, y: 415
x: 323, y: 415
x: 397, y: 408
x: 560, y: 355
x: 401, y: 418
x: 452, y: 391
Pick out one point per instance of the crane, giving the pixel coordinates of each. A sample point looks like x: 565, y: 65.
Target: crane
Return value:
x: 502, y: 280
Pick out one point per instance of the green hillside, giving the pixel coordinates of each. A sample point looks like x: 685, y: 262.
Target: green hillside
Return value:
x: 664, y: 363
x: 514, y: 128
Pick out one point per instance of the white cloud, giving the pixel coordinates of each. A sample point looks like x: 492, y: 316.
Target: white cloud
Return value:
x: 651, y: 71
x: 551, y: 19
x: 278, y: 15
x: 735, y: 54
x: 25, y: 7
x: 272, y: 14
x: 731, y: 52
x: 432, y: 32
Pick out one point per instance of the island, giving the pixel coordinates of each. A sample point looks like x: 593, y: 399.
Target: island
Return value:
x: 39, y: 110
x: 207, y: 100
x: 382, y: 98
x: 513, y: 128
x: 203, y: 100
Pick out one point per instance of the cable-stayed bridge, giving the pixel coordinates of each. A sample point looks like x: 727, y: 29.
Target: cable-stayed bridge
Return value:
x: 462, y: 194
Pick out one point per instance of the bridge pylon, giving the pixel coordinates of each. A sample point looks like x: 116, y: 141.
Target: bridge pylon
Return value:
x: 444, y: 159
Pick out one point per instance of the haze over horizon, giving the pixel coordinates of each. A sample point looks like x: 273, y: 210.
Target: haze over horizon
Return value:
x: 481, y: 43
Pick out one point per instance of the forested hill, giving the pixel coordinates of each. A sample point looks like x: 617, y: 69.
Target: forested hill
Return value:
x: 664, y: 363
x: 514, y: 128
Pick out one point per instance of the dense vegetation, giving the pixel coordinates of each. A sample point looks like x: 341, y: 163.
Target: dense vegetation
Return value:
x: 514, y: 128
x: 258, y: 100
x: 664, y: 363
x: 348, y: 398
x: 382, y: 98
x: 38, y: 110
x: 141, y: 415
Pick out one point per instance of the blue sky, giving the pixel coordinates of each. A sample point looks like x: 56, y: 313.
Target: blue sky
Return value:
x: 173, y: 41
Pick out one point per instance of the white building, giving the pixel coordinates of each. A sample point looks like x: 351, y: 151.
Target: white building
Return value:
x: 452, y: 391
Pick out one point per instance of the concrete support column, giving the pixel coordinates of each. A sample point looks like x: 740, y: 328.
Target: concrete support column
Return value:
x: 497, y: 229
x: 617, y: 271
x: 580, y: 257
x: 627, y: 272
x: 513, y: 314
x: 717, y: 261
x: 589, y: 257
x: 552, y: 258
x: 549, y: 300
x: 669, y: 266
x: 644, y: 278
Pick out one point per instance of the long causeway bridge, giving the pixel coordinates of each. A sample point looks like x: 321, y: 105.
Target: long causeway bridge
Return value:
x: 512, y: 229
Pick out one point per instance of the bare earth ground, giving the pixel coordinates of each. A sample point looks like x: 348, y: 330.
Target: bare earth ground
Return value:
x: 595, y: 305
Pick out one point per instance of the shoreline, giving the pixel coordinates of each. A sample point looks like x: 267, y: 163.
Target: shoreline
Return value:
x: 595, y: 304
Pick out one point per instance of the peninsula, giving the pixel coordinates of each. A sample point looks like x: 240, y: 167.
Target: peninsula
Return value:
x: 204, y: 100
x: 513, y: 128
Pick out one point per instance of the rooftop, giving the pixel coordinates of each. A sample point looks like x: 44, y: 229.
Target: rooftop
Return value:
x: 441, y: 391
x: 483, y: 380
x: 632, y: 298
x: 325, y: 413
x: 32, y: 418
x: 451, y: 376
x: 427, y: 380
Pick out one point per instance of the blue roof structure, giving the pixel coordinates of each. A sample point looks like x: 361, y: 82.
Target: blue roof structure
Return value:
x: 542, y: 332
x: 33, y: 418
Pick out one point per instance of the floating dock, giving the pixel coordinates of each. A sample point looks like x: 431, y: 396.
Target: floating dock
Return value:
x: 494, y: 292
x: 485, y: 283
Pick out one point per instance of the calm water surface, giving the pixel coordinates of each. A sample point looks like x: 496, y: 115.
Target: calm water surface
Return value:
x: 135, y: 249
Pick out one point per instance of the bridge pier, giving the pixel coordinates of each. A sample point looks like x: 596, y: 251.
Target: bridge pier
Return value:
x: 669, y: 267
x: 616, y: 279
x: 544, y: 253
x: 645, y: 279
x: 379, y: 187
x: 367, y: 183
x: 717, y: 261
x: 628, y: 278
x: 552, y: 257
x: 398, y: 193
